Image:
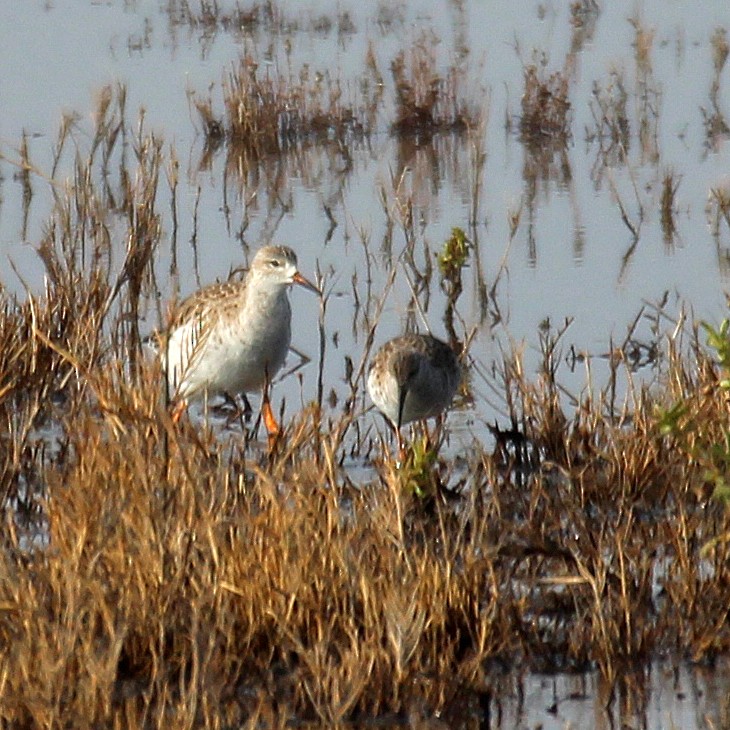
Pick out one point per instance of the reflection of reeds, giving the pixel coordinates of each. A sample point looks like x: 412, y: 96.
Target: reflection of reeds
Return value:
x: 716, y: 128
x: 648, y: 93
x: 668, y: 207
x: 24, y: 175
x: 208, y: 17
x: 612, y: 129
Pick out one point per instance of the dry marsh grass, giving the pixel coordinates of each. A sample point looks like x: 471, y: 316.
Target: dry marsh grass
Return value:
x: 154, y: 575
x: 546, y: 109
x: 273, y: 115
x: 272, y: 123
x: 269, y: 114
x: 189, y: 580
x: 428, y: 102
x: 545, y: 126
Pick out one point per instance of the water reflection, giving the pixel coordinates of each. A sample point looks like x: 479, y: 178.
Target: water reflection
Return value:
x: 716, y: 128
x: 664, y: 695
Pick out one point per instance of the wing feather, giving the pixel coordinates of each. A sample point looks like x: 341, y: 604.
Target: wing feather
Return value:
x: 191, y: 327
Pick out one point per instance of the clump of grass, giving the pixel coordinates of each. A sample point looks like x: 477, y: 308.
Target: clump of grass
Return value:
x: 683, y: 419
x: 545, y: 128
x: 668, y: 208
x: 271, y: 119
x: 719, y: 205
x: 640, y: 473
x: 546, y: 108
x: 270, y: 114
x: 428, y: 103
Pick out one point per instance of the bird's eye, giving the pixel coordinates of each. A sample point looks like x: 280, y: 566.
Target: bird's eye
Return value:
x: 275, y: 263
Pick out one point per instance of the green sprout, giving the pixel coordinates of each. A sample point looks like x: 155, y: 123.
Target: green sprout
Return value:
x: 454, y: 255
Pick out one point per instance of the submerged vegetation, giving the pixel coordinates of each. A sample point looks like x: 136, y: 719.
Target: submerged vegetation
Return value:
x: 160, y: 574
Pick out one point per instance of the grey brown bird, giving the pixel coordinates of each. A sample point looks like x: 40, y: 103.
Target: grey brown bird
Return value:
x: 232, y: 338
x: 411, y: 378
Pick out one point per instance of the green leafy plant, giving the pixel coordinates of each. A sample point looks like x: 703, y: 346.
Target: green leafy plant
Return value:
x: 417, y: 469
x: 687, y: 425
x: 454, y: 255
x: 719, y: 341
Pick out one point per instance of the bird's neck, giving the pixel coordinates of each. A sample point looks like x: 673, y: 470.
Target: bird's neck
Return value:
x: 266, y: 297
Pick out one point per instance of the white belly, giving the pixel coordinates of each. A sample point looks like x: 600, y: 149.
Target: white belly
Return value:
x: 232, y: 358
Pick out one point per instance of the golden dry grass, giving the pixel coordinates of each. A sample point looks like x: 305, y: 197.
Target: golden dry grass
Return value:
x: 161, y: 576
x: 267, y: 113
x: 189, y: 580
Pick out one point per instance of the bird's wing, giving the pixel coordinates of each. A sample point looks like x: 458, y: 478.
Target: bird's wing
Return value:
x: 199, y: 305
x: 193, y: 316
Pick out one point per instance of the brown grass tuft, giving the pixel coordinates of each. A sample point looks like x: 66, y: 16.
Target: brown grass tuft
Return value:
x: 545, y: 108
x: 268, y: 114
x: 426, y: 102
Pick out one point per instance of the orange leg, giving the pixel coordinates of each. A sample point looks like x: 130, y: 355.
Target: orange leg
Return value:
x: 272, y: 427
x: 177, y: 410
x: 273, y: 430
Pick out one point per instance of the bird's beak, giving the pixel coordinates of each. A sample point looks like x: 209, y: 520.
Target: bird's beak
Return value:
x: 401, y: 406
x: 303, y: 281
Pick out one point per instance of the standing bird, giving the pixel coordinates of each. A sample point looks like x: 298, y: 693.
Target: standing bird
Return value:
x: 411, y: 378
x: 233, y: 337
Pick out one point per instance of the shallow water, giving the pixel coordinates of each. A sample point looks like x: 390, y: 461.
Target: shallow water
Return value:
x: 572, y: 255
x: 666, y: 697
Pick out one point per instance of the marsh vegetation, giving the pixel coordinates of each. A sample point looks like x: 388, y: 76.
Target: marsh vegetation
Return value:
x: 156, y: 574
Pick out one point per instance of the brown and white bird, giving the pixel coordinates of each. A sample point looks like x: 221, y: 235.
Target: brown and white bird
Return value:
x: 232, y: 338
x: 411, y: 378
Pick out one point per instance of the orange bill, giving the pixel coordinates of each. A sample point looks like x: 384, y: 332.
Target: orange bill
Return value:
x: 303, y: 281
